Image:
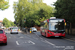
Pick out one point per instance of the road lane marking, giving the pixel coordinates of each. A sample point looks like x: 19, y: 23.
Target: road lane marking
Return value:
x: 17, y: 43
x: 39, y: 37
x: 36, y: 35
x: 31, y: 42
x: 21, y: 37
x: 49, y: 43
x: 46, y: 41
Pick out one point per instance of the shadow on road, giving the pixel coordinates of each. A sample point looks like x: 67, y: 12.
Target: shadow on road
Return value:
x: 2, y: 44
x: 55, y: 38
x: 52, y: 37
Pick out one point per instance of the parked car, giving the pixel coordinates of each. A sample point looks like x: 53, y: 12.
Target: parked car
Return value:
x: 33, y: 29
x: 3, y: 27
x: 14, y: 30
x: 10, y: 28
x: 3, y: 38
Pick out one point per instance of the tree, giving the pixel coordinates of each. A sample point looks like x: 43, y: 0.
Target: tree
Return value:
x: 7, y: 23
x: 3, y: 4
x: 65, y: 9
x: 12, y: 23
x: 32, y: 10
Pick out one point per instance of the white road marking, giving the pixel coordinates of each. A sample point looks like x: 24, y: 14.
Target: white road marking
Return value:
x: 46, y: 41
x: 43, y: 41
x: 69, y: 39
x: 17, y: 43
x: 36, y: 35
x: 41, y: 38
x: 31, y: 42
x: 49, y: 43
x: 21, y: 37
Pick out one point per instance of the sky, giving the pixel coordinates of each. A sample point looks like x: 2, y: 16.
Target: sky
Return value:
x: 8, y: 13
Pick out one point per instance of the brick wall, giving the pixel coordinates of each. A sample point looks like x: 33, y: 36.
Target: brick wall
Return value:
x: 38, y: 28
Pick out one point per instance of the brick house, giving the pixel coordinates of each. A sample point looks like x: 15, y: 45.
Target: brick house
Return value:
x: 1, y: 24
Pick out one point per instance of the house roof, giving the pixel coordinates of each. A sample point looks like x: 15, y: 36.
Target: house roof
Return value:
x: 1, y: 21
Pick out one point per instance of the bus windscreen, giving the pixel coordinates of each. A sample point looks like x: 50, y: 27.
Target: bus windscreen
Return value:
x: 55, y: 25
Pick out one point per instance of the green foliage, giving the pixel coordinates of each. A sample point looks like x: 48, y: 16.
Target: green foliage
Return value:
x: 7, y: 23
x: 34, y: 11
x: 65, y: 9
x: 12, y: 23
x: 3, y: 4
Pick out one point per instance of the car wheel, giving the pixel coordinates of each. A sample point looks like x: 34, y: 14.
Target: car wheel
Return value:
x: 5, y: 43
x: 17, y: 32
x: 11, y: 33
x: 45, y: 35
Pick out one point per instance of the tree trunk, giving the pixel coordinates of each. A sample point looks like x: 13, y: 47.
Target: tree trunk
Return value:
x: 70, y: 29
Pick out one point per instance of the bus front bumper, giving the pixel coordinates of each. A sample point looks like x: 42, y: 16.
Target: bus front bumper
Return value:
x: 56, y: 35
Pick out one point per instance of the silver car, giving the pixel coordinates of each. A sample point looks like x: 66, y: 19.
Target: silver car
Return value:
x: 33, y: 29
x: 14, y: 30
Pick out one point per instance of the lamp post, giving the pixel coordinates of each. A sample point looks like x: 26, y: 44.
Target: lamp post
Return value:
x: 24, y: 21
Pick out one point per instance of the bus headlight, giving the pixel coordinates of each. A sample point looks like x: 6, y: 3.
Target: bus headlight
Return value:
x: 63, y: 33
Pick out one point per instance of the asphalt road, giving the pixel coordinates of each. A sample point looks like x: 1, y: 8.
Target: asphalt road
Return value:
x: 36, y: 42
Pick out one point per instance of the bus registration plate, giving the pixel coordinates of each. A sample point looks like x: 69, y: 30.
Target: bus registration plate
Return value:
x: 56, y: 36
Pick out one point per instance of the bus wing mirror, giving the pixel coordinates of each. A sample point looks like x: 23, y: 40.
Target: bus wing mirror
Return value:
x: 65, y: 23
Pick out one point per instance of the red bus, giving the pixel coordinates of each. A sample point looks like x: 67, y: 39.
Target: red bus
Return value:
x: 53, y: 27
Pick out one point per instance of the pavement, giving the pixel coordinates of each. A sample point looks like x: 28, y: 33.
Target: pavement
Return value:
x: 72, y: 37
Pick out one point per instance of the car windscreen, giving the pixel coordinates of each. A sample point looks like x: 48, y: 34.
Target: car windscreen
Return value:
x: 1, y: 31
x: 33, y: 28
x: 15, y: 28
